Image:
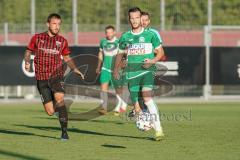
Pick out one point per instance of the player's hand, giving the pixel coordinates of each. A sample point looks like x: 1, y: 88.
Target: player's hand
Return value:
x: 98, y: 70
x: 116, y: 75
x: 27, y: 66
x: 78, y: 72
x: 148, y: 63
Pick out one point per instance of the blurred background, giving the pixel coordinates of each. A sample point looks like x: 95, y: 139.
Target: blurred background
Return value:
x: 201, y: 39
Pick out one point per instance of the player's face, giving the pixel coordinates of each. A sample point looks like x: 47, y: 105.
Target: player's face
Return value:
x: 54, y: 25
x: 135, y: 19
x: 110, y: 33
x: 145, y: 21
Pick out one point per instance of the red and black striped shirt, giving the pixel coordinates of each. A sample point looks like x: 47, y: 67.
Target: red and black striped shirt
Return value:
x: 48, y: 55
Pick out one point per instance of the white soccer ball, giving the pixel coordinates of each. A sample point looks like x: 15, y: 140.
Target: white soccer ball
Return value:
x: 144, y: 121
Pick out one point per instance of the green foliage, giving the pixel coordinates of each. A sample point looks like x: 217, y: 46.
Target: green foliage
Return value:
x: 178, y: 12
x: 15, y: 11
x: 96, y: 12
x: 226, y: 12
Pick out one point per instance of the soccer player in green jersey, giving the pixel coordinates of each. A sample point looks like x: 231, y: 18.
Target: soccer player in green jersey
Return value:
x: 145, y: 21
x: 106, y: 56
x: 143, y: 49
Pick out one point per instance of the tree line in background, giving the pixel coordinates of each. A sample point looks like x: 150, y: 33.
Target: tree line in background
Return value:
x: 177, y: 12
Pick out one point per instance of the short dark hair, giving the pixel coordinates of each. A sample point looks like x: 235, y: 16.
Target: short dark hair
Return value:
x: 109, y: 27
x: 134, y: 9
x: 53, y: 15
x: 145, y: 14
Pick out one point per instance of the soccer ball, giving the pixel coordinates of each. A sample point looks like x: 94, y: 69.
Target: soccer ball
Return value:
x: 144, y: 121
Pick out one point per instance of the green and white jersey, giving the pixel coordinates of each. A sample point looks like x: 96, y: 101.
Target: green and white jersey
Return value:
x: 138, y: 47
x: 109, y: 50
x: 156, y: 32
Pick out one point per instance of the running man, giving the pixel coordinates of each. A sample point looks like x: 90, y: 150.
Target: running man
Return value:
x: 145, y: 20
x: 49, y: 48
x: 143, y: 49
x: 106, y: 57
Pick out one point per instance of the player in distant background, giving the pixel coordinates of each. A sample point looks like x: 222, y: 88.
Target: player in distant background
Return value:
x: 49, y: 48
x: 145, y: 20
x: 106, y: 57
x: 143, y: 49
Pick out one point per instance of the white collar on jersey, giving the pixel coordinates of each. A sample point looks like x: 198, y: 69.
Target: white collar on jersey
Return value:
x: 112, y: 40
x: 138, y: 32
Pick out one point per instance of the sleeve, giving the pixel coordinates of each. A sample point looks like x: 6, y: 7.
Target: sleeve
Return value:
x: 122, y: 44
x: 101, y: 45
x: 158, y: 35
x: 156, y: 41
x: 66, y: 50
x: 32, y: 44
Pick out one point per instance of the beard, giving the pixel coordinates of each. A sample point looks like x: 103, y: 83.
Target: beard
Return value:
x: 135, y: 26
x: 110, y: 37
x: 52, y: 32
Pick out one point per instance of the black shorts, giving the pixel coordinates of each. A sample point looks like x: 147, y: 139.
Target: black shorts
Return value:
x: 47, y: 89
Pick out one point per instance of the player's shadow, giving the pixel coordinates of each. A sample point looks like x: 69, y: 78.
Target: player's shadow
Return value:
x: 75, y: 130
x: 11, y: 132
x: 18, y: 155
x: 93, y: 121
x: 113, y: 146
x: 106, y: 121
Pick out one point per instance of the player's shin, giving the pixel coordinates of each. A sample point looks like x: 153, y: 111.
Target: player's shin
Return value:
x: 104, y: 98
x: 119, y: 103
x: 152, y: 107
x: 124, y: 100
x: 63, y: 116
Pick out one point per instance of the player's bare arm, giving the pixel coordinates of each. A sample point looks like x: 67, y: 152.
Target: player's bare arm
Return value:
x: 159, y: 52
x: 117, y: 65
x: 27, y: 58
x: 100, y: 60
x: 72, y: 65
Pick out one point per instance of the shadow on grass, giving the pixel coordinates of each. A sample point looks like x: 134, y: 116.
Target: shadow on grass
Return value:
x: 18, y: 155
x: 75, y: 130
x: 95, y: 120
x: 23, y: 133
x: 107, y: 121
x: 113, y: 146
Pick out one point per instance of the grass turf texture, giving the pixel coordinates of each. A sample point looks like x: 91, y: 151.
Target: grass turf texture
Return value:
x: 193, y: 132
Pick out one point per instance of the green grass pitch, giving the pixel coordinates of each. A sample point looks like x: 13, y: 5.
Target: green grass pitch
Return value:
x: 208, y: 131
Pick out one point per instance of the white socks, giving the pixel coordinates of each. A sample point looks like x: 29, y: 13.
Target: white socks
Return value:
x: 104, y: 98
x: 152, y: 107
x: 120, y: 104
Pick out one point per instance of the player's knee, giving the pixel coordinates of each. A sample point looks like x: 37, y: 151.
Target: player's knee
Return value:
x: 59, y: 100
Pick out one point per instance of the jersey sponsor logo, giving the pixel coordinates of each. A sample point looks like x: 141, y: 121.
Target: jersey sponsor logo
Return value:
x: 110, y: 47
x: 50, y: 51
x: 134, y: 49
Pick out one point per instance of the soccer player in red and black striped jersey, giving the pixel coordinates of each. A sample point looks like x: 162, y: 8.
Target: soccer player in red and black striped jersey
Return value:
x: 49, y: 49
